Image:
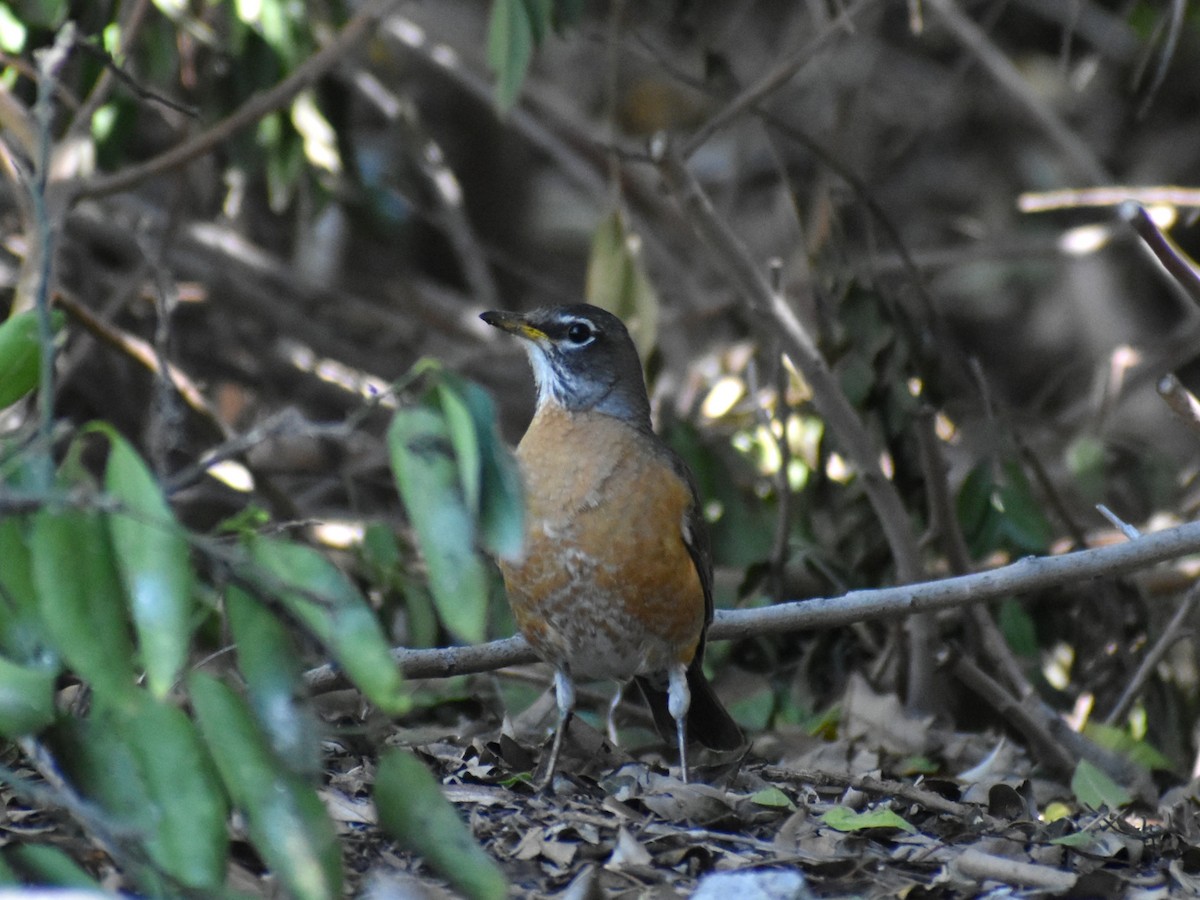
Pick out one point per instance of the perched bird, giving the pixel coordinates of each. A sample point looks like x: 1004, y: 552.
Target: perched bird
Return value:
x: 615, y: 581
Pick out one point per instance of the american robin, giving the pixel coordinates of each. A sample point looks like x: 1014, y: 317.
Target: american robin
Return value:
x: 615, y: 581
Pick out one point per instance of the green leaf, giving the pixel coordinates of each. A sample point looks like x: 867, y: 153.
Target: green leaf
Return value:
x: 12, y: 35
x: 413, y: 810
x: 427, y: 477
x: 153, y: 559
x: 80, y: 599
x: 772, y: 797
x: 41, y: 864
x: 145, y: 766
x: 1018, y: 628
x: 186, y: 819
x: 26, y: 697
x: 501, y: 505
x: 541, y: 15
x: 322, y: 598
x: 21, y: 634
x: 1095, y: 789
x: 268, y: 659
x: 1024, y: 523
x: 842, y: 818
x: 509, y: 49
x: 617, y: 280
x: 1142, y: 753
x: 463, y: 437
x: 285, y: 818
x: 20, y: 355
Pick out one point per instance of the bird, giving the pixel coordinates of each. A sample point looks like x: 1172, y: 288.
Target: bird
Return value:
x: 615, y: 578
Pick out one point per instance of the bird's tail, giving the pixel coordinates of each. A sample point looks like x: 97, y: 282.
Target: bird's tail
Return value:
x: 708, y: 722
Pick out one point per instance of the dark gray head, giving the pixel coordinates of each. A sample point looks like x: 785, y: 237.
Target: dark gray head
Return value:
x: 583, y: 359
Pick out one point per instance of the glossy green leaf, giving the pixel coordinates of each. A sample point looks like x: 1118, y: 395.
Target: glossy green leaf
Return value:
x: 20, y: 355
x: 1095, y: 789
x: 509, y: 49
x: 412, y: 809
x: 321, y: 597
x: 268, y: 659
x: 155, y: 566
x: 426, y: 473
x: 26, y: 697
x: 285, y: 819
x: 42, y: 864
x: 80, y: 598
x: 842, y: 818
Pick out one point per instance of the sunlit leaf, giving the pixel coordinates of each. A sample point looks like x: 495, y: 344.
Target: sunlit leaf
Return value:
x: 153, y: 559
x: 1095, y: 789
x: 1142, y: 753
x: 412, y: 809
x: 772, y: 797
x: 320, y: 596
x: 842, y: 818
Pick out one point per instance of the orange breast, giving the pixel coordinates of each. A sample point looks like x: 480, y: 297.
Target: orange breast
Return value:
x: 606, y: 587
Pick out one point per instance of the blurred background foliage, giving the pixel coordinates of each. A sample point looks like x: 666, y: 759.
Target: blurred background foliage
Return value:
x: 255, y: 326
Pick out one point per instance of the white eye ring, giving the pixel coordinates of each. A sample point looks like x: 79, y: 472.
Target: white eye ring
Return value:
x: 580, y: 333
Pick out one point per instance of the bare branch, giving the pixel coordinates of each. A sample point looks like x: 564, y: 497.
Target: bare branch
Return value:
x: 1023, y: 576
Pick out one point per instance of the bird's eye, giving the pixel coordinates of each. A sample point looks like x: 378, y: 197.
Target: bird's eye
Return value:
x: 579, y: 333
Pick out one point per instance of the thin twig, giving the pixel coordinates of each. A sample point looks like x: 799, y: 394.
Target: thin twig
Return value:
x: 143, y: 353
x: 1041, y: 740
x: 1108, y: 195
x: 259, y: 105
x: 1130, y: 531
x: 49, y: 61
x: 1170, y: 43
x: 1172, y: 633
x: 1178, y: 265
x: 133, y: 15
x: 780, y: 75
x: 1181, y: 401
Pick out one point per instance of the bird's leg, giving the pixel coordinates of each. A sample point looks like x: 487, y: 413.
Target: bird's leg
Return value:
x: 564, y: 693
x: 611, y: 721
x: 679, y: 698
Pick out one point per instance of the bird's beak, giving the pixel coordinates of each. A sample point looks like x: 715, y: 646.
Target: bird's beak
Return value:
x: 513, y: 323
